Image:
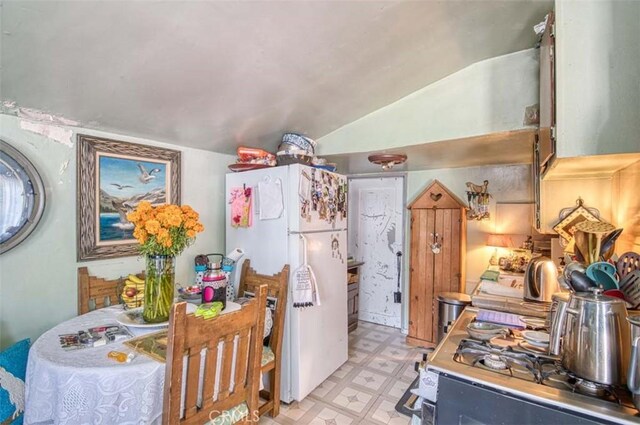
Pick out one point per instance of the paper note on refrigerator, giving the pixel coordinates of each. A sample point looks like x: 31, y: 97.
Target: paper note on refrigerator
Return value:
x: 270, y: 202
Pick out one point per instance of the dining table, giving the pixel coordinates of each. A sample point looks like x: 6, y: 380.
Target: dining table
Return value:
x: 85, y: 386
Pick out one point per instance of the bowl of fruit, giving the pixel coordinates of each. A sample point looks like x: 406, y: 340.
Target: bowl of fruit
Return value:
x: 190, y: 293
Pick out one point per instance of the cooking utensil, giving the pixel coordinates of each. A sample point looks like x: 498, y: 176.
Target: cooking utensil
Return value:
x: 614, y: 293
x: 609, y: 244
x: 592, y: 321
x: 632, y: 384
x: 595, y: 230
x: 580, y: 282
x: 628, y: 262
x: 541, y: 280
x: 485, y: 331
x: 605, y: 280
x: 571, y: 267
x: 397, y: 296
x: 581, y: 249
x: 602, y: 266
x: 630, y: 287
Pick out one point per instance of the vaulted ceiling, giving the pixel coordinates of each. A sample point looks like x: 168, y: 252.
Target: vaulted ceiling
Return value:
x: 217, y: 74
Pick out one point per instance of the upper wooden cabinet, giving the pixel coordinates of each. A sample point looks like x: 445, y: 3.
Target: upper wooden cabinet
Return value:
x: 546, y: 135
x: 438, y: 246
x: 596, y: 65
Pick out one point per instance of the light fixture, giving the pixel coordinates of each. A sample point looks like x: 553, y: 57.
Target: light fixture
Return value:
x: 387, y: 160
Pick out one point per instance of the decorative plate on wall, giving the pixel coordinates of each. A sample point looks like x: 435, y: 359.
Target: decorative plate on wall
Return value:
x: 22, y: 197
x: 566, y: 226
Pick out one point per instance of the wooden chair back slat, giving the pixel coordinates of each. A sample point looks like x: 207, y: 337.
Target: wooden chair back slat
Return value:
x: 193, y: 374
x: 242, y: 360
x: 227, y: 363
x: 211, y: 371
x: 189, y: 334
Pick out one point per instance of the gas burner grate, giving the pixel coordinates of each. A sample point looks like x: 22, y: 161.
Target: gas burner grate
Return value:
x: 490, y: 357
x: 541, y: 369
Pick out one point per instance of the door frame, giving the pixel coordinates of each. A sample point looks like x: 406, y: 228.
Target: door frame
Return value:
x: 404, y: 305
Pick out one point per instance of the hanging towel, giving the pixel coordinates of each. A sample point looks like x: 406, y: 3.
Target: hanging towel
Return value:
x: 305, y: 287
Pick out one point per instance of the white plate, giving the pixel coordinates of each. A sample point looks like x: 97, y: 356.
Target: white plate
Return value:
x: 539, y: 339
x: 133, y: 318
x: 533, y: 322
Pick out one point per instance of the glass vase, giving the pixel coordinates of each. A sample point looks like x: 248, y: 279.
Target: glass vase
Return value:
x: 159, y: 288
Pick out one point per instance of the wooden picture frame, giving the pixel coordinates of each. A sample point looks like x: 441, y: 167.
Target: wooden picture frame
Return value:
x: 112, y: 178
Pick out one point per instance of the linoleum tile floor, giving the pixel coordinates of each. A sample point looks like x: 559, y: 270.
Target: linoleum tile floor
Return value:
x: 365, y: 389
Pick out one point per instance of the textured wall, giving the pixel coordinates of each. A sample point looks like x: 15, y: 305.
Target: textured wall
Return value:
x: 38, y: 277
x: 597, y: 77
x: 487, y: 97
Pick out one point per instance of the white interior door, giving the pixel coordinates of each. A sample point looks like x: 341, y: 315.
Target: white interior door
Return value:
x: 375, y: 232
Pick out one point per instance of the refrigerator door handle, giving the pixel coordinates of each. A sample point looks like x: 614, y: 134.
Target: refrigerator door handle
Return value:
x: 316, y: 231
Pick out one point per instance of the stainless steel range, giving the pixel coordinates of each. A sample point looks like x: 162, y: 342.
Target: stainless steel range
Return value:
x: 509, y: 382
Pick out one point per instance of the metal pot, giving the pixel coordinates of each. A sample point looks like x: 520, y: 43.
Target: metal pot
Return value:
x: 595, y: 345
x: 559, y: 304
x: 634, y: 366
x: 541, y: 280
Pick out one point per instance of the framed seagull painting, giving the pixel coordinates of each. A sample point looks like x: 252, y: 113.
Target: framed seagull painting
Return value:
x: 112, y: 178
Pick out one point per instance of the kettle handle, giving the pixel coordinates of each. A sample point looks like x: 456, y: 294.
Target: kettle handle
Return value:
x: 557, y: 328
x: 531, y: 277
x: 633, y: 365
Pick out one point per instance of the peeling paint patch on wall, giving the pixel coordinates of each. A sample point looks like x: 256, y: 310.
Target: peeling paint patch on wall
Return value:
x: 53, y: 132
x: 36, y: 115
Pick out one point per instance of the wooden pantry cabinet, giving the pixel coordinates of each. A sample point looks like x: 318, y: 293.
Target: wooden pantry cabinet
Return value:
x: 438, y: 246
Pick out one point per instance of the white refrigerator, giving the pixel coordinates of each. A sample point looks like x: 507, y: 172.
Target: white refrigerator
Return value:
x: 313, y: 204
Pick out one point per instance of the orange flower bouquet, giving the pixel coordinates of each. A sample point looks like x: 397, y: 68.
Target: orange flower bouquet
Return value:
x: 163, y: 232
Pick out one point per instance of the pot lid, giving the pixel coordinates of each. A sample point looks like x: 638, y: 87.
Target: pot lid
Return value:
x: 596, y: 295
x: 455, y: 298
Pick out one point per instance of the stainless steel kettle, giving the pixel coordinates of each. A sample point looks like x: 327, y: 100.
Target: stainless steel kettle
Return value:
x: 595, y: 345
x: 541, y: 280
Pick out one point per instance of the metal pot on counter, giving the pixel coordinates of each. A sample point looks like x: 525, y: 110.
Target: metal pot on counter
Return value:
x: 596, y: 340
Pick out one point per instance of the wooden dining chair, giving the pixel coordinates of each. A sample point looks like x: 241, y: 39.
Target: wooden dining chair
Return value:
x: 213, y: 365
x: 272, y: 351
x: 96, y: 292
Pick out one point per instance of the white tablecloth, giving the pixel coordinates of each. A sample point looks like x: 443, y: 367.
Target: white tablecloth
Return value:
x: 84, y: 386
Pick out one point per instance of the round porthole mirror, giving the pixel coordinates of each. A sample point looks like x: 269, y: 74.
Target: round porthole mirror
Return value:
x: 22, y: 197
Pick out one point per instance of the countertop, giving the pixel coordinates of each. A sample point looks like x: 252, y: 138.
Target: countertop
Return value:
x: 442, y: 361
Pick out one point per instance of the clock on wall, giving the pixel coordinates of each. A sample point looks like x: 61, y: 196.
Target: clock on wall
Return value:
x: 22, y: 197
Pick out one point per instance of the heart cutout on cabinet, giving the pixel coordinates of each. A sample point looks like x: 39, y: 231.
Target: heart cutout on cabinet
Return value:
x: 435, y: 196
